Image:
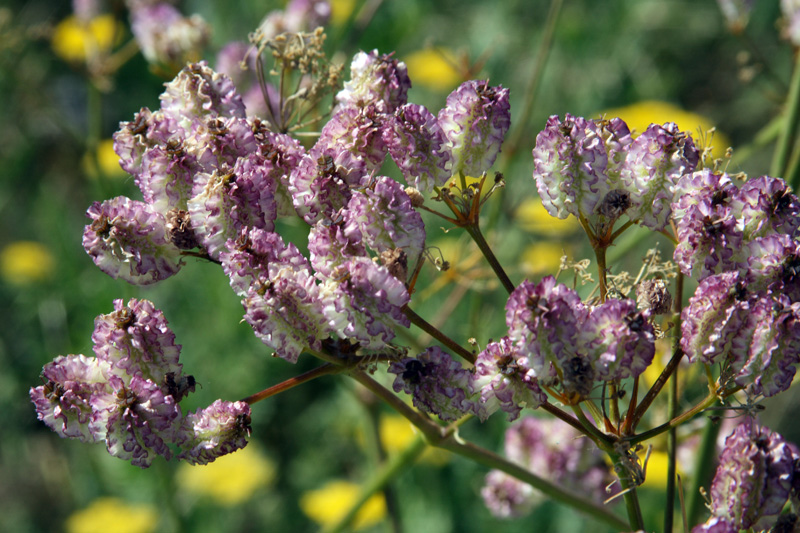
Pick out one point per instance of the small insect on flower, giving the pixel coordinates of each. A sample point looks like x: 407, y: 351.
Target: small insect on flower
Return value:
x: 414, y: 372
x: 181, y: 387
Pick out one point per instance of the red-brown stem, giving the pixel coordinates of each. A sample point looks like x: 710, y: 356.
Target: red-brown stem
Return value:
x: 626, y: 428
x: 323, y: 370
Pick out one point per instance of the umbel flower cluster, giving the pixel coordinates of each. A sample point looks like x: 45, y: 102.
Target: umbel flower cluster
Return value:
x: 128, y: 394
x: 216, y: 178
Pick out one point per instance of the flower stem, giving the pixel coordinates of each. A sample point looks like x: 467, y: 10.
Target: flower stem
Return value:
x: 445, y: 438
x: 642, y: 408
x: 786, y: 140
x: 434, y: 332
x: 702, y: 471
x: 672, y: 446
x: 572, y: 421
x: 704, y: 404
x: 323, y: 370
x: 492, y: 460
x: 475, y: 232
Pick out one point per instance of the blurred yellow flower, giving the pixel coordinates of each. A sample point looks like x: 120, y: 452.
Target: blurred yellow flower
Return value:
x: 24, y: 262
x: 107, y: 160
x: 397, y: 434
x: 532, y: 216
x: 651, y: 373
x: 230, y: 480
x: 75, y: 41
x: 341, y: 11
x: 656, y: 473
x: 112, y: 515
x: 327, y: 505
x: 640, y: 115
x: 543, y: 257
x: 434, y: 68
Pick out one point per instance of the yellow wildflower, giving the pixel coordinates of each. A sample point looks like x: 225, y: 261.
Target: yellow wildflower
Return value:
x: 397, y: 434
x: 433, y: 68
x: 112, y: 515
x: 76, y: 41
x: 230, y: 480
x: 532, y: 216
x: 656, y: 473
x: 328, y: 504
x: 24, y: 262
x: 107, y: 160
x: 640, y: 115
x: 341, y: 11
x: 543, y: 257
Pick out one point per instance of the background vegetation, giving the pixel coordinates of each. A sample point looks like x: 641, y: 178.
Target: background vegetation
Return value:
x: 605, y: 55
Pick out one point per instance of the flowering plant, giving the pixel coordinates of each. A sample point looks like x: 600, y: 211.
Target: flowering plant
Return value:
x: 224, y: 166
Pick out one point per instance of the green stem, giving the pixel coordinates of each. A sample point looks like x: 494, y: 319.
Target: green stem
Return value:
x: 704, y: 404
x: 786, y: 140
x: 672, y: 412
x: 390, y: 470
x: 672, y: 446
x: 492, y: 460
x: 572, y: 421
x: 603, y: 441
x: 631, y: 498
x: 434, y: 332
x: 442, y: 437
x: 475, y: 232
x: 429, y: 428
x: 703, y: 467
x: 600, y: 255
x: 642, y: 408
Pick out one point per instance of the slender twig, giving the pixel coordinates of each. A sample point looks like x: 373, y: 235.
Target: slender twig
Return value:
x: 477, y: 236
x: 572, y: 421
x: 603, y: 441
x: 430, y: 428
x: 323, y: 370
x: 434, y: 332
x: 626, y: 428
x: 704, y: 404
x: 642, y: 408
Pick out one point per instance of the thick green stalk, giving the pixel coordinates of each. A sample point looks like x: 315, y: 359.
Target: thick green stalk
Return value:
x: 443, y: 437
x: 703, y: 467
x: 672, y: 446
x: 577, y: 502
x: 786, y: 140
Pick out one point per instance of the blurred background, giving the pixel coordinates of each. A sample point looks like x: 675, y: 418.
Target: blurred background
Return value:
x: 312, y: 447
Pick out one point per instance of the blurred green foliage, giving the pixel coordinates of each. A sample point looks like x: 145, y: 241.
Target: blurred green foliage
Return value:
x: 605, y: 54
